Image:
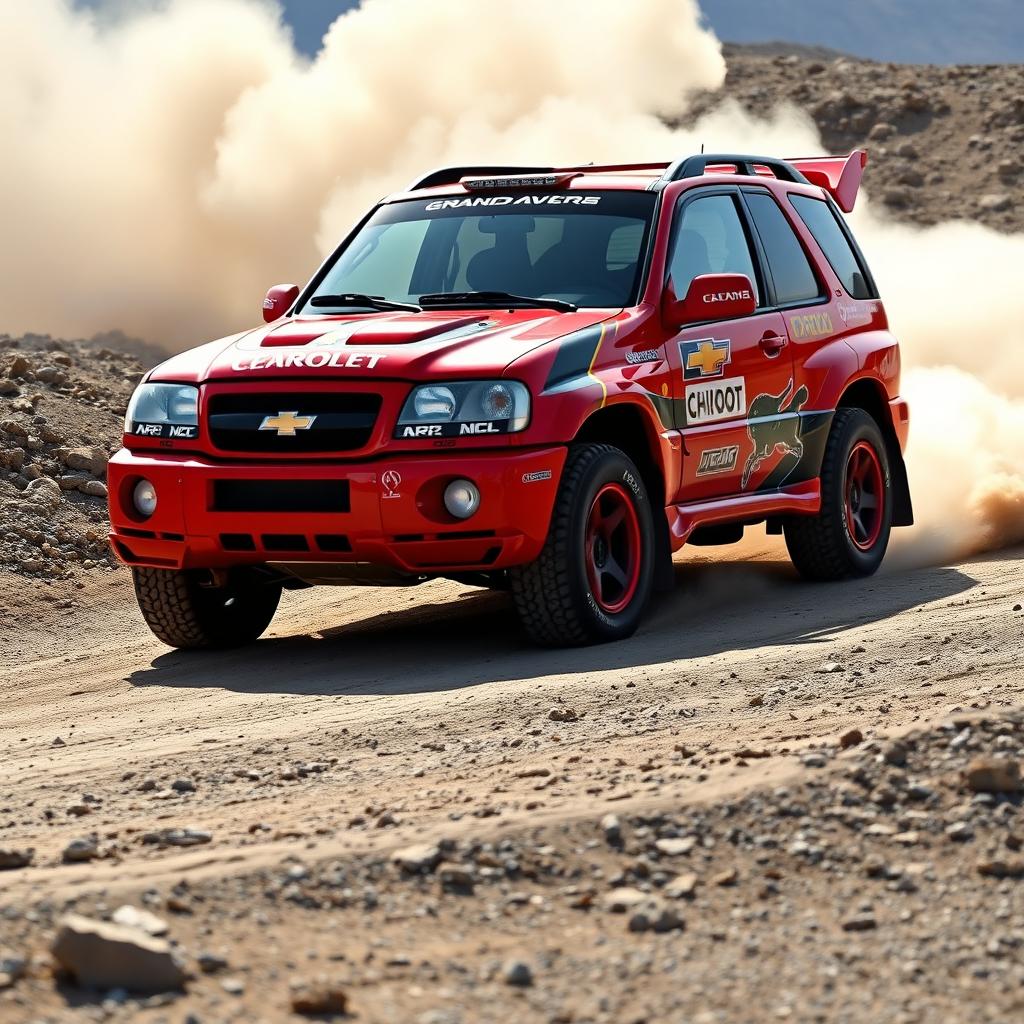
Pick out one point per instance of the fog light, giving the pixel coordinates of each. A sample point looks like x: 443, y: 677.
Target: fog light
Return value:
x: 144, y: 498
x: 461, y: 498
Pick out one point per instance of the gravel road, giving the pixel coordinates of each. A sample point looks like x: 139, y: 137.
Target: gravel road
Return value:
x: 215, y: 789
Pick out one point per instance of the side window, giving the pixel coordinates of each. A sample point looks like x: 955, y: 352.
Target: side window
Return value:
x: 711, y: 240
x: 791, y: 271
x: 821, y: 222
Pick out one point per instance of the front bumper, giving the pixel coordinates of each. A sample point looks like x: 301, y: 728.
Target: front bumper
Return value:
x: 392, y: 516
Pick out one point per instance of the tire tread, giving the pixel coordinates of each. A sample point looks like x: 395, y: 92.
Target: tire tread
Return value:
x: 542, y: 590
x: 168, y: 602
x: 817, y: 544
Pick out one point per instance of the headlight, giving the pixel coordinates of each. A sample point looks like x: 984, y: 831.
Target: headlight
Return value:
x: 163, y: 410
x: 144, y: 498
x: 433, y: 404
x: 473, y: 408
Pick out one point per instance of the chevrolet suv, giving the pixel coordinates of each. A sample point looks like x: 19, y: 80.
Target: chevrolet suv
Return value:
x: 540, y: 379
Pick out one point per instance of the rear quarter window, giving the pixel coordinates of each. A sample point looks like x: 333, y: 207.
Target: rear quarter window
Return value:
x: 821, y: 221
x: 791, y: 271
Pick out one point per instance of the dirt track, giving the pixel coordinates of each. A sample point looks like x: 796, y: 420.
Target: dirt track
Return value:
x: 370, y: 720
x: 379, y: 679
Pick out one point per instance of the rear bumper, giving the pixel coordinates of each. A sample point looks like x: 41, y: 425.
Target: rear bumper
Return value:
x: 386, y: 513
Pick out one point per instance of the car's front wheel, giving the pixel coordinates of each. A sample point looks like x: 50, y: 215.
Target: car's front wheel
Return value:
x: 593, y: 578
x: 850, y: 534
x: 184, y: 612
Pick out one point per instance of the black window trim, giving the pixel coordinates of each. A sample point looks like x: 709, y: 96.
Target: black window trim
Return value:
x: 869, y: 278
x: 824, y: 296
x: 756, y: 254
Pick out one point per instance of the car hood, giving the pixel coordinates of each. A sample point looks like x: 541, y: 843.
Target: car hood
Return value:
x: 404, y: 346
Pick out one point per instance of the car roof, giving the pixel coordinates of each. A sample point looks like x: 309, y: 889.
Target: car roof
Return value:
x: 839, y: 176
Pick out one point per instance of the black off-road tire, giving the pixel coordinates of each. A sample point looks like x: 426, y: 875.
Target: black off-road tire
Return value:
x: 553, y: 594
x: 184, y: 614
x: 822, y: 547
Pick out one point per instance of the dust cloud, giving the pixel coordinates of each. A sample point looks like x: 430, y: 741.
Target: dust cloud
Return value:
x: 167, y: 163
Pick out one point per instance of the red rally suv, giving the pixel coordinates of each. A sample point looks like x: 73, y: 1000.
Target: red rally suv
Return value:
x: 540, y: 379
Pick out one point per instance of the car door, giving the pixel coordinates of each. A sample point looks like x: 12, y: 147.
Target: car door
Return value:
x: 789, y: 443
x: 723, y: 367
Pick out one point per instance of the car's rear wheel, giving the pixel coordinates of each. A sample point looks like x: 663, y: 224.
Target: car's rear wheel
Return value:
x: 850, y: 534
x: 183, y: 612
x: 593, y: 579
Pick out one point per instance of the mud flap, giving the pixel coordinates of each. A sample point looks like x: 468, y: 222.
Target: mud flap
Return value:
x: 902, y: 507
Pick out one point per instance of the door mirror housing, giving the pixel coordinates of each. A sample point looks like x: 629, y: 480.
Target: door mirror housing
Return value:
x: 710, y: 297
x: 279, y: 300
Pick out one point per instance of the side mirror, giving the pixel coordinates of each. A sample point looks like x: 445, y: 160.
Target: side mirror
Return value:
x: 279, y: 300
x: 710, y: 297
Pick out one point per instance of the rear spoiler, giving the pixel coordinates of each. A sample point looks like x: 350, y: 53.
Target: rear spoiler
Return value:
x: 839, y: 176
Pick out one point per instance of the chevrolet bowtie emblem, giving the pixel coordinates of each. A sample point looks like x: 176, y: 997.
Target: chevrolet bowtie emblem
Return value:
x: 707, y: 357
x: 286, y: 423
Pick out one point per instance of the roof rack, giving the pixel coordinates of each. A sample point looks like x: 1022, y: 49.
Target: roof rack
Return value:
x: 840, y: 176
x: 451, y: 175
x: 695, y: 166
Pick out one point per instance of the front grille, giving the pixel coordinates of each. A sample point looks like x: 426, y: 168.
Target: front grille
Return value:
x: 340, y: 421
x: 280, y: 496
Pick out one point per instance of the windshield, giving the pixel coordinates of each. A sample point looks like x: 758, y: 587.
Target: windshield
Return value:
x: 577, y: 247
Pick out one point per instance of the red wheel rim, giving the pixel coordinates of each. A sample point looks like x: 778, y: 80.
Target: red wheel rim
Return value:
x: 865, y: 496
x: 613, y: 549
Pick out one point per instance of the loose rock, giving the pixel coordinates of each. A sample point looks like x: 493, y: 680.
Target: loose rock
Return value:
x: 517, y: 972
x: 11, y: 859
x: 81, y: 850
x: 993, y: 775
x: 318, y: 996
x: 105, y: 956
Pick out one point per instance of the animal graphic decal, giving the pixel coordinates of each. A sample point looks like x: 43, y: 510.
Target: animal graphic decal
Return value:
x: 773, y: 424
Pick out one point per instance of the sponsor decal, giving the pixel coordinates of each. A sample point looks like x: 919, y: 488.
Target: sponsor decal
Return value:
x: 545, y: 200
x: 477, y: 429
x: 718, y: 460
x: 705, y: 357
x: 646, y: 355
x: 716, y: 400
x: 853, y: 314
x: 811, y: 325
x: 743, y: 293
x: 287, y: 423
x: 391, y: 480
x: 536, y: 476
x: 316, y: 360
x: 171, y: 431
x: 773, y: 424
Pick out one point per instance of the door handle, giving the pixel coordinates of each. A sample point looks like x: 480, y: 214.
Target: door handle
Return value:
x: 772, y: 344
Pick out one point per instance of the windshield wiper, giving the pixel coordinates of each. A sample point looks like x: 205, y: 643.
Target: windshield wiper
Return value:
x: 495, y: 299
x: 358, y: 299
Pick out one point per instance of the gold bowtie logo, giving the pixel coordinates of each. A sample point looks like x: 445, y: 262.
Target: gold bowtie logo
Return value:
x: 286, y: 423
x: 709, y: 357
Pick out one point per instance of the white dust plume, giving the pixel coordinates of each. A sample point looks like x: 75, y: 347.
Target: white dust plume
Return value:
x: 163, y: 165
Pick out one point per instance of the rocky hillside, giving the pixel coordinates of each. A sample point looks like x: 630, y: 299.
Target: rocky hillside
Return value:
x: 61, y: 409
x: 945, y: 142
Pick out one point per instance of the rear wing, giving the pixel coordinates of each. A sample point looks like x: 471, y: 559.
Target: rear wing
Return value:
x: 839, y: 176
